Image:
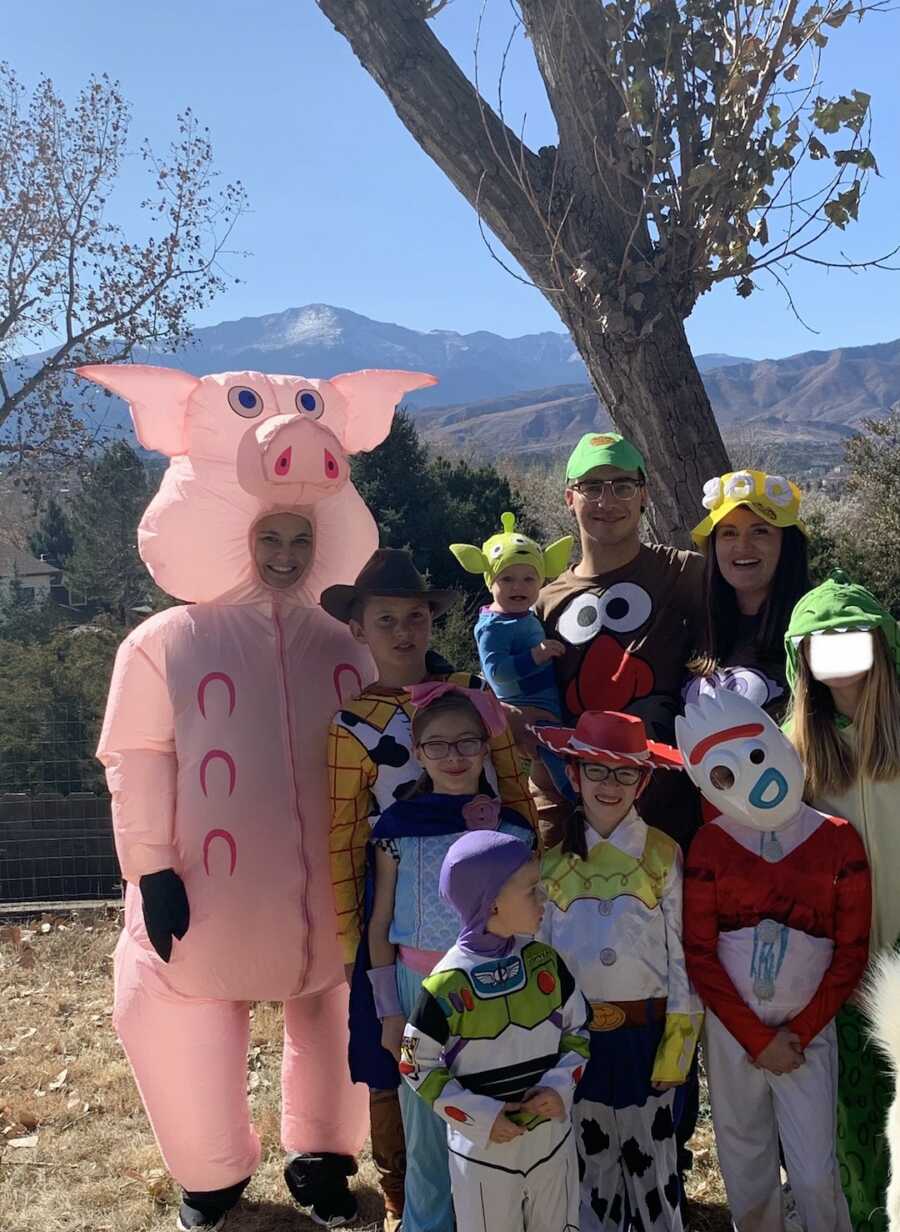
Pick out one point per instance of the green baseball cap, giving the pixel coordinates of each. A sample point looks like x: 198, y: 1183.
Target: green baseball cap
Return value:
x: 604, y: 449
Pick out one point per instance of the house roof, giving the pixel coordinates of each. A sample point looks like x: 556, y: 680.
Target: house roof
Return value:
x: 16, y: 562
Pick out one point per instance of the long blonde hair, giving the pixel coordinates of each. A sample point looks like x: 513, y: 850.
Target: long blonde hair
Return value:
x: 832, y: 765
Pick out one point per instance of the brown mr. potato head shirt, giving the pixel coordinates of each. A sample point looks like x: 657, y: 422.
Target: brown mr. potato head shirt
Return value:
x: 628, y: 635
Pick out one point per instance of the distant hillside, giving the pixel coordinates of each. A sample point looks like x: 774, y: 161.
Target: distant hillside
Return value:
x: 530, y: 395
x: 805, y: 407
x: 320, y: 340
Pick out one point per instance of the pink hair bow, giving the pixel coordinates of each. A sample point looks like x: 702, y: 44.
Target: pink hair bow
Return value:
x: 489, y: 709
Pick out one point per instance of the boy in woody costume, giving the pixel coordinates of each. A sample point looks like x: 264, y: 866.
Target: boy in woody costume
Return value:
x: 390, y: 610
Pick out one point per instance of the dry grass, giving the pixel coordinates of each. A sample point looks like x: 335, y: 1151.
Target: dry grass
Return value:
x: 89, y: 1162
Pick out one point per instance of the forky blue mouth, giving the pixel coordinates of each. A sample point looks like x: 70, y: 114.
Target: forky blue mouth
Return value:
x: 769, y: 789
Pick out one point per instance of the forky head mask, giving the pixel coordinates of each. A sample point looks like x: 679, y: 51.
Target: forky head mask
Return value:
x: 740, y: 760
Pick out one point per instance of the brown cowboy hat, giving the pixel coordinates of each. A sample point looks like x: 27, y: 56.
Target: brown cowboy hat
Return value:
x: 388, y: 572
x: 604, y: 735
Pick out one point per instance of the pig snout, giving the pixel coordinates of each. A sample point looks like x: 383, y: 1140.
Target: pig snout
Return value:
x: 294, y: 458
x: 303, y: 453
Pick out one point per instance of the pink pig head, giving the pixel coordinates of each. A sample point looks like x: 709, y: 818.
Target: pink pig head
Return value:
x: 244, y: 444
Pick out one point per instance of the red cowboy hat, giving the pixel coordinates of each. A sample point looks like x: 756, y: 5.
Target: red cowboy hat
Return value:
x: 617, y: 739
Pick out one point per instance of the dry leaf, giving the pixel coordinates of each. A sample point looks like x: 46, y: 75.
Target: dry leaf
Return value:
x: 59, y: 1080
x: 12, y: 934
x: 26, y: 958
x: 31, y: 1140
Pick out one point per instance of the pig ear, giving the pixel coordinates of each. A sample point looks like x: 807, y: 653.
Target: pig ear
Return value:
x: 156, y: 397
x: 372, y: 396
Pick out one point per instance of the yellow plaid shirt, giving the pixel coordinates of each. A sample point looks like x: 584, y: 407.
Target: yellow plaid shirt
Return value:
x: 369, y: 760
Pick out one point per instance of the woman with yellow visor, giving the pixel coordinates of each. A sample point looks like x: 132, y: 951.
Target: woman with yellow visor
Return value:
x: 756, y: 570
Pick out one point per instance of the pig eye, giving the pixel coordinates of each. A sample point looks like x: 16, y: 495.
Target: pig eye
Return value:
x: 245, y: 402
x: 310, y: 404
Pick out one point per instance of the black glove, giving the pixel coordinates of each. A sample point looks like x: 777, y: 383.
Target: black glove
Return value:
x: 166, y: 910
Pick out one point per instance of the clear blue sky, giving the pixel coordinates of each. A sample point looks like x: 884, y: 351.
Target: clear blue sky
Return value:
x: 347, y: 210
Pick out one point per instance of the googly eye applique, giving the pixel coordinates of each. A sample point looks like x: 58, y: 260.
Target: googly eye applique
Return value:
x: 778, y: 490
x: 740, y: 486
x: 713, y: 493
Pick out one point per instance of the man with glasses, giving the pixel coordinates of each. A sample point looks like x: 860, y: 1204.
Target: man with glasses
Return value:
x: 629, y: 616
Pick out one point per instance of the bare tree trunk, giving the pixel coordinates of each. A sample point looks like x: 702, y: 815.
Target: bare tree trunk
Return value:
x: 656, y: 398
x: 544, y: 208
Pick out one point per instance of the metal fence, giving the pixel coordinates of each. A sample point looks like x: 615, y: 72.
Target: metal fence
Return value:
x: 56, y: 841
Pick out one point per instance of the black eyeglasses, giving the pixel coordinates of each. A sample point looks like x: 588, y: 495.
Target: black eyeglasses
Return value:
x: 437, y: 750
x: 622, y: 489
x: 625, y: 776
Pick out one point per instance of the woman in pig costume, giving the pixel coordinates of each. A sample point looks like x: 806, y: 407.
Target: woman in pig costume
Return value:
x: 214, y: 743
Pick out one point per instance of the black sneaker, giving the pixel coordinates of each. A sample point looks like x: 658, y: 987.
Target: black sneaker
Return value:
x: 318, y: 1184
x: 207, y: 1211
x: 192, y: 1220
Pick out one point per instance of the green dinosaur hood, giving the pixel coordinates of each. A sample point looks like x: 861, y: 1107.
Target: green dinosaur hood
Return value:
x: 837, y: 604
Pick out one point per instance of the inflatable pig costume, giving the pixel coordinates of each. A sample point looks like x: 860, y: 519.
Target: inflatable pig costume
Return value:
x: 214, y: 743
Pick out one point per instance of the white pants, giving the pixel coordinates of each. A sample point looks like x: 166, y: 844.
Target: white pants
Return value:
x: 752, y: 1109
x: 629, y: 1163
x: 528, y: 1185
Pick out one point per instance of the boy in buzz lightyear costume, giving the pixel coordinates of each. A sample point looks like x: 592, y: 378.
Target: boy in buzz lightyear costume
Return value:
x: 497, y: 1044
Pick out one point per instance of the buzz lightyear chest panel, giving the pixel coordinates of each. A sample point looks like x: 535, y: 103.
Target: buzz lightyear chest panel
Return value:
x: 523, y: 991
x: 499, y: 978
x: 604, y: 630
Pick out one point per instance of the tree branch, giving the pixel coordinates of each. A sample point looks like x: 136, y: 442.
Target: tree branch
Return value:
x: 445, y: 114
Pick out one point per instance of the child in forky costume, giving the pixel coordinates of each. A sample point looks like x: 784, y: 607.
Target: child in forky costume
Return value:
x: 777, y: 904
x: 214, y: 744
x: 497, y: 1044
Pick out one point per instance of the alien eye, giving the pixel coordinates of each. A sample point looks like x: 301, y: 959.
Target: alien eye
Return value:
x: 245, y: 402
x: 758, y: 756
x: 309, y: 403
x: 721, y: 778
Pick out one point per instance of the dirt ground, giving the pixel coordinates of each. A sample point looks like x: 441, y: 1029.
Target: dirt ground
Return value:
x: 76, y: 1152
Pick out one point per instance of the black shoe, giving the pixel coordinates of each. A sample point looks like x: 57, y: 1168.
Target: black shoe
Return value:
x: 318, y: 1183
x: 192, y: 1220
x: 207, y: 1211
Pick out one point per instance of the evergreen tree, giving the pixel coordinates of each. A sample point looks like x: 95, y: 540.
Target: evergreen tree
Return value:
x: 386, y: 480
x: 424, y: 504
x: 104, y: 565
x: 25, y: 618
x: 52, y: 539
